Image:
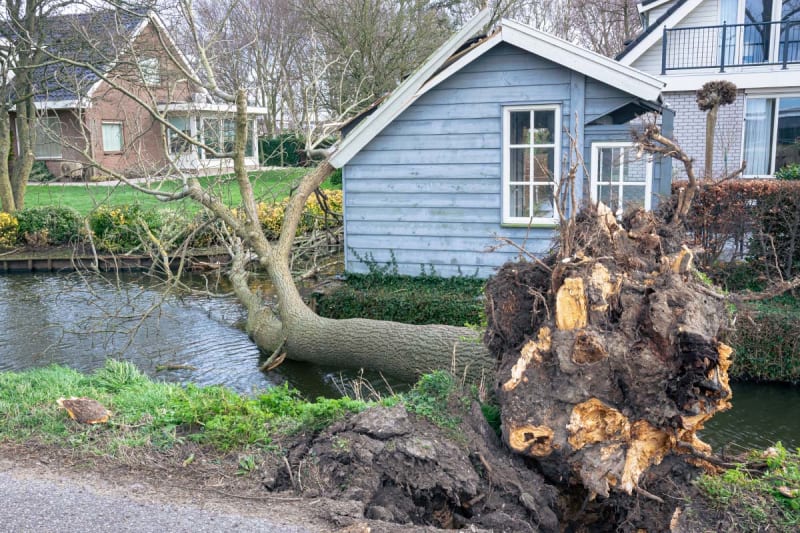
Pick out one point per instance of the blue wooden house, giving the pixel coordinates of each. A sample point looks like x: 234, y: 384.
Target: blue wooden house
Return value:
x: 472, y: 146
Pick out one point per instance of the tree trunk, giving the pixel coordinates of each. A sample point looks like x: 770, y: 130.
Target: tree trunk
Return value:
x: 609, y: 358
x: 403, y: 351
x: 6, y: 192
x: 26, y: 116
x: 711, y: 126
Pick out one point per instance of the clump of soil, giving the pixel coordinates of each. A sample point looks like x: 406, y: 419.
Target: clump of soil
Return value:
x: 404, y: 469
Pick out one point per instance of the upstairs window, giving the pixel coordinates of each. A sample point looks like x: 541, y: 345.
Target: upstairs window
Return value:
x: 620, y: 178
x: 47, y: 138
x: 148, y: 70
x: 531, y: 165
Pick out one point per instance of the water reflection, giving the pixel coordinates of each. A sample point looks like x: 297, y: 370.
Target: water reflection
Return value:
x: 762, y: 414
x: 80, y: 321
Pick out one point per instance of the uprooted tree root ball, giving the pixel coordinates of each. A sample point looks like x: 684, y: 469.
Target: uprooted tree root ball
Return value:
x: 609, y: 361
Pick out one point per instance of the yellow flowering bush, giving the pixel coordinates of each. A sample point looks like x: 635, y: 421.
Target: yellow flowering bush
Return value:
x: 9, y: 230
x: 271, y: 215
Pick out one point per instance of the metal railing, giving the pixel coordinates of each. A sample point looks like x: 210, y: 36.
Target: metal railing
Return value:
x: 731, y: 45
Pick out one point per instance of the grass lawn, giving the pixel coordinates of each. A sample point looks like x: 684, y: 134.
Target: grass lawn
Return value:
x: 269, y: 185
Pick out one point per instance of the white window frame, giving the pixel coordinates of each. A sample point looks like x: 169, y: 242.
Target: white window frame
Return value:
x: 149, y: 71
x: 507, y: 146
x: 49, y: 119
x: 221, y: 135
x: 118, y: 123
x: 773, y: 149
x: 595, y: 178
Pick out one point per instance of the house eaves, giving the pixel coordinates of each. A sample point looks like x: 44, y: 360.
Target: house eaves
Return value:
x: 561, y: 52
x: 646, y: 5
x: 649, y: 37
x: 405, y: 94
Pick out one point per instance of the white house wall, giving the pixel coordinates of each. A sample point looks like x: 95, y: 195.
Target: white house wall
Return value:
x: 690, y: 132
x: 706, y: 14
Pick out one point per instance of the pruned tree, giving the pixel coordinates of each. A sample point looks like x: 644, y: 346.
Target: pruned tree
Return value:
x: 22, y: 31
x: 710, y: 97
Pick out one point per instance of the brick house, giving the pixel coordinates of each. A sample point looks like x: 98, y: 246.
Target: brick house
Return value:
x: 87, y: 124
x: 754, y: 44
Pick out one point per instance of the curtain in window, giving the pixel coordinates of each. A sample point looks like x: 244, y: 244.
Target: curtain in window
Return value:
x: 729, y: 14
x: 758, y: 135
x: 47, y: 135
x: 112, y: 137
x: 790, y: 31
x: 787, y: 150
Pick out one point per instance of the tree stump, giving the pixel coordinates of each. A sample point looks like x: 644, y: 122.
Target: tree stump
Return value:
x: 608, y: 359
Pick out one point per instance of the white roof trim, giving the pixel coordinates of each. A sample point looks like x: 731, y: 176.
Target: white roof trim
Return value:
x: 561, y: 52
x: 405, y: 94
x: 581, y: 60
x: 643, y: 9
x: 463, y: 61
x: 654, y: 36
x: 186, y: 107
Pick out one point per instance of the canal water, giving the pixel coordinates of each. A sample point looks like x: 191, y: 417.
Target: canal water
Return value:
x: 80, y: 321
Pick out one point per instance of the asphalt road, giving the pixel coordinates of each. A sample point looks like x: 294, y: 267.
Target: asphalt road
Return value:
x: 67, y: 506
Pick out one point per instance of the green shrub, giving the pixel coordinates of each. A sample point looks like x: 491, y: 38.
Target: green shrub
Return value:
x: 50, y: 225
x: 285, y: 150
x: 789, y: 172
x: 336, y: 177
x: 456, y: 301
x: 766, y: 341
x: 9, y: 230
x: 121, y: 228
x: 40, y: 172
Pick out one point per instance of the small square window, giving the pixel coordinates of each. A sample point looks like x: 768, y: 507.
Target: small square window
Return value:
x: 112, y: 137
x: 148, y: 69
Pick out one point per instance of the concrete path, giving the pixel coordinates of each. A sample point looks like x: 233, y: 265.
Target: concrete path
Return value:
x: 68, y: 505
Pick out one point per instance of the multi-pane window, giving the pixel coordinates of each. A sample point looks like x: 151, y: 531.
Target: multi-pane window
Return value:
x: 531, y: 148
x: 771, y: 134
x: 621, y: 178
x: 149, y: 70
x: 219, y: 136
x: 112, y: 136
x: 47, y: 138
x: 178, y: 144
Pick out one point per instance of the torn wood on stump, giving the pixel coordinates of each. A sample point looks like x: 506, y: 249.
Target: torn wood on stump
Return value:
x: 535, y: 440
x: 571, y: 311
x: 532, y: 352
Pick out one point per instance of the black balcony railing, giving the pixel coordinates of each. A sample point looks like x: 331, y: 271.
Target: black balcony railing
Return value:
x: 731, y: 45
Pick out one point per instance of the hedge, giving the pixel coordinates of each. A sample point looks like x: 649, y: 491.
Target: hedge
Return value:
x: 455, y: 301
x: 766, y: 341
x: 756, y: 217
x: 49, y: 225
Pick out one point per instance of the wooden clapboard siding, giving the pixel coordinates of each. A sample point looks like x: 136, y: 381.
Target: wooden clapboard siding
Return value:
x: 601, y: 98
x: 426, y: 191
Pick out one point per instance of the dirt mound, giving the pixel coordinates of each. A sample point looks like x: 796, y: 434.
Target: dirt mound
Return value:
x: 405, y: 470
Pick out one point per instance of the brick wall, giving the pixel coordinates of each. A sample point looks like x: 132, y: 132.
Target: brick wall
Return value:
x: 690, y: 132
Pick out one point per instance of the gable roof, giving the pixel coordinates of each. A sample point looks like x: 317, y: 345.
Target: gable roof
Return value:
x: 653, y: 32
x: 98, y: 38
x: 445, y: 62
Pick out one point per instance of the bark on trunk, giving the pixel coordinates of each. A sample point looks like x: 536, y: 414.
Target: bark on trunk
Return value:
x: 609, y: 358
x: 401, y: 350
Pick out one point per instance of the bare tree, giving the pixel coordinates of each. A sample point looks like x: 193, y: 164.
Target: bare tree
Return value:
x: 21, y: 34
x: 603, y: 27
x: 291, y: 327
